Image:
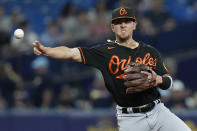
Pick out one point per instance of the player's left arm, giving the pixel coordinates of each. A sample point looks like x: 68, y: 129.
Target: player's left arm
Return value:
x: 163, y: 79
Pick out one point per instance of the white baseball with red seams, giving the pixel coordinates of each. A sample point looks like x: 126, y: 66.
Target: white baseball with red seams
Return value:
x: 18, y: 33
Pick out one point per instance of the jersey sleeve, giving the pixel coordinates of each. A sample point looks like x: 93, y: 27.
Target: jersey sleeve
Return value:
x: 160, y: 66
x: 162, y: 71
x: 93, y: 56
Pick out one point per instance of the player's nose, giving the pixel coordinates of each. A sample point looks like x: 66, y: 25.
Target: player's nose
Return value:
x: 123, y: 24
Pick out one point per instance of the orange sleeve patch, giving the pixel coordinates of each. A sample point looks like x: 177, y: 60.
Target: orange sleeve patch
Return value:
x: 165, y: 75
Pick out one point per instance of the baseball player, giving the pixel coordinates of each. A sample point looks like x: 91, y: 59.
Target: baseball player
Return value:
x: 132, y: 73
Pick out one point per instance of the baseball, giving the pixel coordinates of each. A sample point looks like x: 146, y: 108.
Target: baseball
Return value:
x: 18, y: 33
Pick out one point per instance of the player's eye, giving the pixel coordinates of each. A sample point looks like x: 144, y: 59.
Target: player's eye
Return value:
x: 116, y: 22
x: 127, y: 21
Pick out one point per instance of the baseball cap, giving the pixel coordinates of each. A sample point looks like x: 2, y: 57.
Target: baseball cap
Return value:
x: 123, y: 13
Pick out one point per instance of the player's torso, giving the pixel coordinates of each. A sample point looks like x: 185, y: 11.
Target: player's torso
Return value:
x: 116, y: 58
x: 119, y: 56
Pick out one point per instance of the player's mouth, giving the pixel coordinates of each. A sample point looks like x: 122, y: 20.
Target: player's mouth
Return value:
x: 123, y: 31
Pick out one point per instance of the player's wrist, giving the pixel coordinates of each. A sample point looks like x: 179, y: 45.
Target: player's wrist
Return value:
x: 45, y: 50
x: 159, y: 80
x: 166, y: 82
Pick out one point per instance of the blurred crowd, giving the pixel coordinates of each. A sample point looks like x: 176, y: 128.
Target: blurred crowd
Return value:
x: 37, y: 82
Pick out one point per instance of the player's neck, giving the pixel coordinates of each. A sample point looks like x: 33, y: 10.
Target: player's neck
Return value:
x: 129, y: 43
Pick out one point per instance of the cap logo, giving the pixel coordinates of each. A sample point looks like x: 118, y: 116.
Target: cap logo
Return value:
x: 123, y: 11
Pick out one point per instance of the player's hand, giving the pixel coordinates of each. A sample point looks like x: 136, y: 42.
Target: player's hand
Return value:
x: 39, y: 49
x: 139, y: 77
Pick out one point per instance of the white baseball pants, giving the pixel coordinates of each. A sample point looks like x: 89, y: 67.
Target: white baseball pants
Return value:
x: 159, y: 118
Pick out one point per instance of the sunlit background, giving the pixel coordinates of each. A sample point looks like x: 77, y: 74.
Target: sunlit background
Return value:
x: 43, y: 94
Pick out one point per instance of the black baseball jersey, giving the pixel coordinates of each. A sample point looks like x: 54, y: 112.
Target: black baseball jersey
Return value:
x: 111, y: 59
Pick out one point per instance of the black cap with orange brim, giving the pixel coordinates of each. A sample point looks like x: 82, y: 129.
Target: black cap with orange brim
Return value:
x: 123, y: 13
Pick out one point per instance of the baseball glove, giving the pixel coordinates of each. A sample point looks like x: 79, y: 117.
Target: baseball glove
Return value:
x: 139, y: 77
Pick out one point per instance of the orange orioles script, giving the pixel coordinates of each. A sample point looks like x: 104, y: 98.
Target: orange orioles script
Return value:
x: 120, y: 64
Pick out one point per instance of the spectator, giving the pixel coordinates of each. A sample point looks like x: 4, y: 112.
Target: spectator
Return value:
x: 67, y: 18
x: 78, y: 29
x: 162, y: 20
x: 183, y: 10
x: 99, y: 96
x: 16, y: 17
x: 177, y: 95
x: 69, y: 10
x: 5, y: 49
x: 5, y: 23
x: 20, y: 101
x: 126, y: 3
x: 47, y: 100
x: 9, y: 80
x: 100, y: 22
x: 3, y: 104
x: 41, y: 80
x: 146, y: 27
x: 65, y: 99
x: 52, y: 34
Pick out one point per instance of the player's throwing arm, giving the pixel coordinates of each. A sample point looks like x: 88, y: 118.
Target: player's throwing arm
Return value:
x: 62, y: 52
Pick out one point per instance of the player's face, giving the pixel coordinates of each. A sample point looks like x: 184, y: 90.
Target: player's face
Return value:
x: 123, y: 28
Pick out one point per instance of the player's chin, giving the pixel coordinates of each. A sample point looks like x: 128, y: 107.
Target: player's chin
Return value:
x: 124, y: 37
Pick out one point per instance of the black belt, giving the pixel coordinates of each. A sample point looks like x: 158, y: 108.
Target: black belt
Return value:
x: 142, y: 109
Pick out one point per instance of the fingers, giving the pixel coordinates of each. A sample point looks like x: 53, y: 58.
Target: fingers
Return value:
x: 38, y: 48
x: 131, y: 90
x: 37, y: 44
x: 134, y: 83
x: 154, y: 75
x: 37, y: 52
x: 132, y: 70
x: 148, y: 74
x: 136, y: 89
x: 128, y: 70
x: 151, y: 75
x: 133, y: 76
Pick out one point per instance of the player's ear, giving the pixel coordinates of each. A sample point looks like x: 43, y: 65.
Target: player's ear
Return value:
x: 112, y: 27
x: 134, y: 25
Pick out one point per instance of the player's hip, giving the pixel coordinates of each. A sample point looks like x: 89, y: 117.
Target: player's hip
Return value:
x: 140, y: 110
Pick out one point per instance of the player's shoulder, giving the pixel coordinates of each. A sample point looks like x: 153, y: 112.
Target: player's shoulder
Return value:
x: 146, y: 45
x: 100, y: 46
x: 104, y: 45
x: 149, y: 47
